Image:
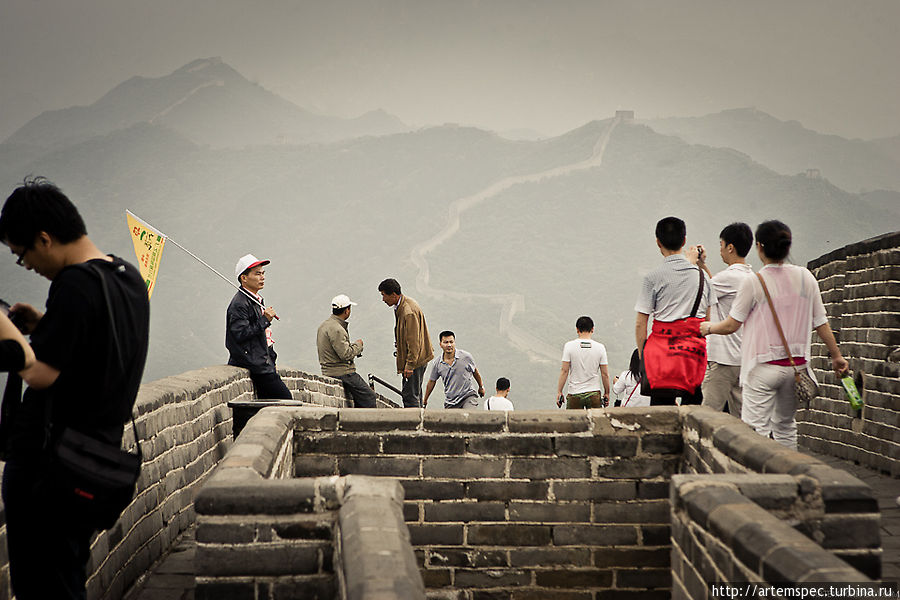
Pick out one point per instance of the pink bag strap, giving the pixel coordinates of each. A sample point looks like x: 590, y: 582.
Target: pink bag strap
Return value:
x: 777, y: 322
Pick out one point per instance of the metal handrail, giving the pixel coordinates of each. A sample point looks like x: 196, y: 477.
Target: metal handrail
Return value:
x: 373, y: 379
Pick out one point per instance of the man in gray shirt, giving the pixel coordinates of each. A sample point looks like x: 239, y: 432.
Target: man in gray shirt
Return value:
x: 336, y: 353
x: 462, y: 381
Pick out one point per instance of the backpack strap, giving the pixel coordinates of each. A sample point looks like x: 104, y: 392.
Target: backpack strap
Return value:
x: 699, y: 293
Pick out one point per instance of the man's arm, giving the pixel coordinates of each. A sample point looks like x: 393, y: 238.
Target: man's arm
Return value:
x: 411, y: 343
x: 477, y: 376
x: 563, y: 375
x: 640, y: 331
x: 8, y: 331
x: 728, y: 326
x: 428, y: 389
x: 240, y: 325
x: 340, y: 341
x: 40, y: 375
x: 604, y: 376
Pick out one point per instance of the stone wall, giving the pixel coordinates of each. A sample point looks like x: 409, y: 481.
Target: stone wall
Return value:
x: 860, y: 286
x: 263, y: 534
x: 544, y: 503
x: 828, y: 506
x: 184, y: 427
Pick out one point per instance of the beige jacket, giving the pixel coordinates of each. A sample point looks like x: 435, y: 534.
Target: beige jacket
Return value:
x: 336, y: 353
x: 411, y: 336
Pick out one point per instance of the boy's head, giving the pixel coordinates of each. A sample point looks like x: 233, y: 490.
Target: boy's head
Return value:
x: 671, y: 233
x: 503, y: 385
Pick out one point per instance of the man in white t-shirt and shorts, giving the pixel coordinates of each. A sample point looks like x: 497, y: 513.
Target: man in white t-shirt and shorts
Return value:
x: 722, y: 384
x: 584, y: 364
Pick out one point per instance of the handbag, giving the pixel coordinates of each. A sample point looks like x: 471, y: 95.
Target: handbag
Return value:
x: 95, y: 480
x: 645, y: 383
x: 806, y: 388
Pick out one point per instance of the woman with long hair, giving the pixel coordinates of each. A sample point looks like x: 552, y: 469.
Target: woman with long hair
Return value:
x: 627, y: 384
x: 767, y: 376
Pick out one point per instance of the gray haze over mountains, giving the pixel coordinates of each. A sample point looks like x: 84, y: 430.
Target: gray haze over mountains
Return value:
x: 505, y: 241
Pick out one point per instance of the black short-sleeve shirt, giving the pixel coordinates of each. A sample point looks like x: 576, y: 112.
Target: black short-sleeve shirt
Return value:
x: 95, y: 391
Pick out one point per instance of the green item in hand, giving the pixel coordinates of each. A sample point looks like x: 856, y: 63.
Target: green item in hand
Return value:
x: 851, y: 392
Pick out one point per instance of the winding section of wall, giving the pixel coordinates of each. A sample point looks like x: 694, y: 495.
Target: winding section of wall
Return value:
x: 536, y: 349
x: 184, y: 426
x: 860, y: 286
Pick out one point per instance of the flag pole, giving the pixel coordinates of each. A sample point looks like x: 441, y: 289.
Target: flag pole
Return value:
x: 203, y: 262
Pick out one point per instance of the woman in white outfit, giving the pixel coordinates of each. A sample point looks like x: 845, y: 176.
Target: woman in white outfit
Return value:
x: 767, y: 376
x: 627, y: 386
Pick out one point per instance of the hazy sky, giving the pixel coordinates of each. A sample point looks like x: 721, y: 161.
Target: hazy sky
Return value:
x: 500, y: 64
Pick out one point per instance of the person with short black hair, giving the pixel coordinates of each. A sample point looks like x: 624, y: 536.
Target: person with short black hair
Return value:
x: 722, y: 383
x: 584, y: 365
x: 337, y: 354
x: 677, y: 295
x: 500, y: 400
x: 248, y: 331
x: 767, y: 375
x: 90, y: 347
x: 456, y: 367
x: 411, y: 340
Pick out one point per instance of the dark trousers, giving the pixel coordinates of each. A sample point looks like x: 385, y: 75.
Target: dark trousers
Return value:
x: 269, y: 386
x: 412, y: 388
x: 667, y: 397
x: 358, y: 391
x: 48, y: 554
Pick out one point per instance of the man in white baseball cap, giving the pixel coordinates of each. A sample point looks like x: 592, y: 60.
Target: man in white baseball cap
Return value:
x: 336, y: 353
x: 248, y: 331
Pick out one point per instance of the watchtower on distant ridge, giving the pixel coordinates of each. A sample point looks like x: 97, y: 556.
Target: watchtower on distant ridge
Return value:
x: 626, y: 115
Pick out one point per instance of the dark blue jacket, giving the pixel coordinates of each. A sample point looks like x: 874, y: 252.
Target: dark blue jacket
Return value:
x: 245, y: 336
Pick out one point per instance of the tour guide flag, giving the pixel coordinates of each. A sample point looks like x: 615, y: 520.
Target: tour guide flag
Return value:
x: 148, y: 247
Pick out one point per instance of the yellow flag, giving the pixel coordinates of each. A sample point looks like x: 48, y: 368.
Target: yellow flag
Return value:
x: 148, y: 247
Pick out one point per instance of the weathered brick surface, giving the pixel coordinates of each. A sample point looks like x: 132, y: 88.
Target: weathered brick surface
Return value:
x: 861, y: 290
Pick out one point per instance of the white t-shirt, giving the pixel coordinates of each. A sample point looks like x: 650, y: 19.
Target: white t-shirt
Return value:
x: 726, y: 349
x: 797, y: 299
x: 498, y: 403
x: 625, y: 390
x: 584, y: 358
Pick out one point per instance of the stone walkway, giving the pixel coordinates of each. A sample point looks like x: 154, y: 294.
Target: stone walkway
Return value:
x: 173, y: 577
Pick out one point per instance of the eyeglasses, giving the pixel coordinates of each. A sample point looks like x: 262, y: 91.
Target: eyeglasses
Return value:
x: 21, y: 257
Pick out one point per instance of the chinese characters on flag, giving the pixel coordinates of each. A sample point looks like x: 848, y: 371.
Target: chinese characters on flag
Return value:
x: 148, y: 247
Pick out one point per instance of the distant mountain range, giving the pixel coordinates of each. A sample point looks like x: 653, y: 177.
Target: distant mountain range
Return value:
x: 790, y: 148
x: 206, y: 101
x: 338, y: 217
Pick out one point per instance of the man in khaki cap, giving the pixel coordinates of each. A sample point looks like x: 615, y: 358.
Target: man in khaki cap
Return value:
x: 336, y: 353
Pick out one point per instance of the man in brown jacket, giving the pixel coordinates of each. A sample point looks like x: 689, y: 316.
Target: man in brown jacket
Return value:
x: 414, y: 349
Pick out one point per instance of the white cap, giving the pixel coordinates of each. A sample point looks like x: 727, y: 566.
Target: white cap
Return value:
x: 248, y: 261
x: 341, y: 301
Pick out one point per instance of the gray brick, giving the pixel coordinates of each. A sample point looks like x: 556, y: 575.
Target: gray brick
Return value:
x: 550, y: 557
x: 432, y: 535
x: 214, y: 590
x: 574, y: 578
x: 597, y: 445
x: 594, y: 535
x: 507, y: 490
x: 335, y: 443
x: 313, y: 588
x: 550, y: 512
x: 549, y: 468
x: 511, y: 445
x: 434, y: 490
x: 462, y: 468
x: 379, y: 465
x: 312, y: 465
x: 380, y: 420
x: 225, y: 533
x: 644, y: 578
x: 465, y: 511
x: 466, y: 578
x: 650, y: 512
x: 662, y: 443
x: 640, y: 467
x: 467, y: 557
x: 549, y: 422
x: 508, y: 535
x: 632, y: 557
x: 595, y: 490
x: 423, y: 444
x: 436, y: 578
x: 557, y: 594
x: 655, y: 535
x: 459, y: 421
x: 258, y: 559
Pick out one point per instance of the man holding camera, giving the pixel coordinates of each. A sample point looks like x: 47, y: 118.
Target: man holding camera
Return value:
x: 336, y: 353
x: 90, y: 347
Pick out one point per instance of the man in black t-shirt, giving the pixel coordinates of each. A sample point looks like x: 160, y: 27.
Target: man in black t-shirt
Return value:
x: 90, y: 350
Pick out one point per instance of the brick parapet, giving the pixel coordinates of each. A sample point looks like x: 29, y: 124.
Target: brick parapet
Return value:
x: 184, y: 426
x: 265, y: 534
x: 830, y: 506
x: 860, y: 286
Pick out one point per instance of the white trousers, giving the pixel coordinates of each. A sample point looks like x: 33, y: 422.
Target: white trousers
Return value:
x: 769, y: 403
